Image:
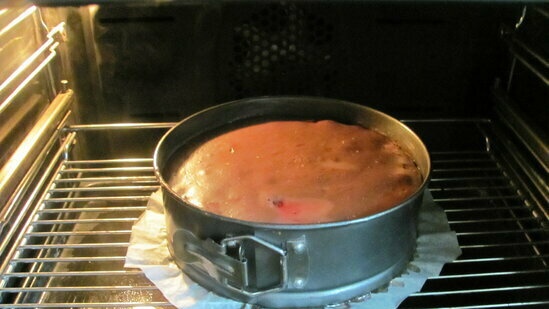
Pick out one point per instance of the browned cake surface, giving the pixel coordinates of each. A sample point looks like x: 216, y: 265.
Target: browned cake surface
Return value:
x: 297, y: 172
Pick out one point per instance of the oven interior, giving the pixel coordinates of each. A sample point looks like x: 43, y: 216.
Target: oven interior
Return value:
x: 88, y: 89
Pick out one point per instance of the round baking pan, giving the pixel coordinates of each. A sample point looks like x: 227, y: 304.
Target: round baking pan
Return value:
x: 288, y: 265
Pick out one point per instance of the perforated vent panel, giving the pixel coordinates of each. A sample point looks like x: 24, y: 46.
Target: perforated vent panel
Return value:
x: 282, y: 48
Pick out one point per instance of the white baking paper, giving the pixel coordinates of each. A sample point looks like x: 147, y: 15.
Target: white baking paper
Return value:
x: 436, y: 245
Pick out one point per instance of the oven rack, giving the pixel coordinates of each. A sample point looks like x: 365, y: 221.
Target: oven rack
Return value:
x: 72, y: 249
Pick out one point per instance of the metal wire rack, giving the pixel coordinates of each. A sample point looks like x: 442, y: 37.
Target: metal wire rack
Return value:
x: 72, y: 252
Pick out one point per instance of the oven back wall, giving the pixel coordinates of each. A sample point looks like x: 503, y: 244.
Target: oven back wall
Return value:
x: 166, y: 62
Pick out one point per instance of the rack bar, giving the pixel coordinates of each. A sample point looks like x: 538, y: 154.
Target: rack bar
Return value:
x: 459, y: 153
x: 120, y: 126
x: 478, y: 198
x: 71, y: 259
x: 94, y: 209
x: 475, y: 188
x: 481, y: 209
x: 511, y: 244
x: 133, y: 179
x: 504, y: 232
x: 28, y: 12
x: 81, y: 289
x: 464, y: 179
x: 497, y: 259
x: 78, y: 233
x: 489, y: 274
x: 75, y: 246
x: 75, y: 273
x: 501, y: 289
x: 84, y: 221
x: 522, y: 56
x: 468, y: 169
x: 97, y: 198
x: 8, y: 209
x: 30, y: 77
x: 151, y: 304
x: 462, y: 160
x: 493, y: 220
x: 23, y: 164
x: 109, y: 161
x: 105, y: 189
x: 109, y: 169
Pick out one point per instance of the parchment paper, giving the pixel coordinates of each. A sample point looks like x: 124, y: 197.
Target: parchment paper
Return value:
x: 436, y: 245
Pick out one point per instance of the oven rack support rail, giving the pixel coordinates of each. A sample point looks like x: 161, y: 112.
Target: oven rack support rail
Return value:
x: 10, y: 90
x: 71, y: 251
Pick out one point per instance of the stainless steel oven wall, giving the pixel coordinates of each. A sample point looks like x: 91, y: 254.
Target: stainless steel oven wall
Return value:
x: 168, y: 61
x: 21, y: 38
x: 33, y: 106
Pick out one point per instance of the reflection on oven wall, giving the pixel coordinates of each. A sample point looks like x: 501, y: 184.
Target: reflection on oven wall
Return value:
x: 166, y: 62
x: 30, y: 67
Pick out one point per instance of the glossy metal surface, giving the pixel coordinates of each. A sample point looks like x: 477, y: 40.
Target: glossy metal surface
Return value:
x: 504, y: 261
x: 24, y: 164
x: 345, y: 258
x: 70, y: 250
